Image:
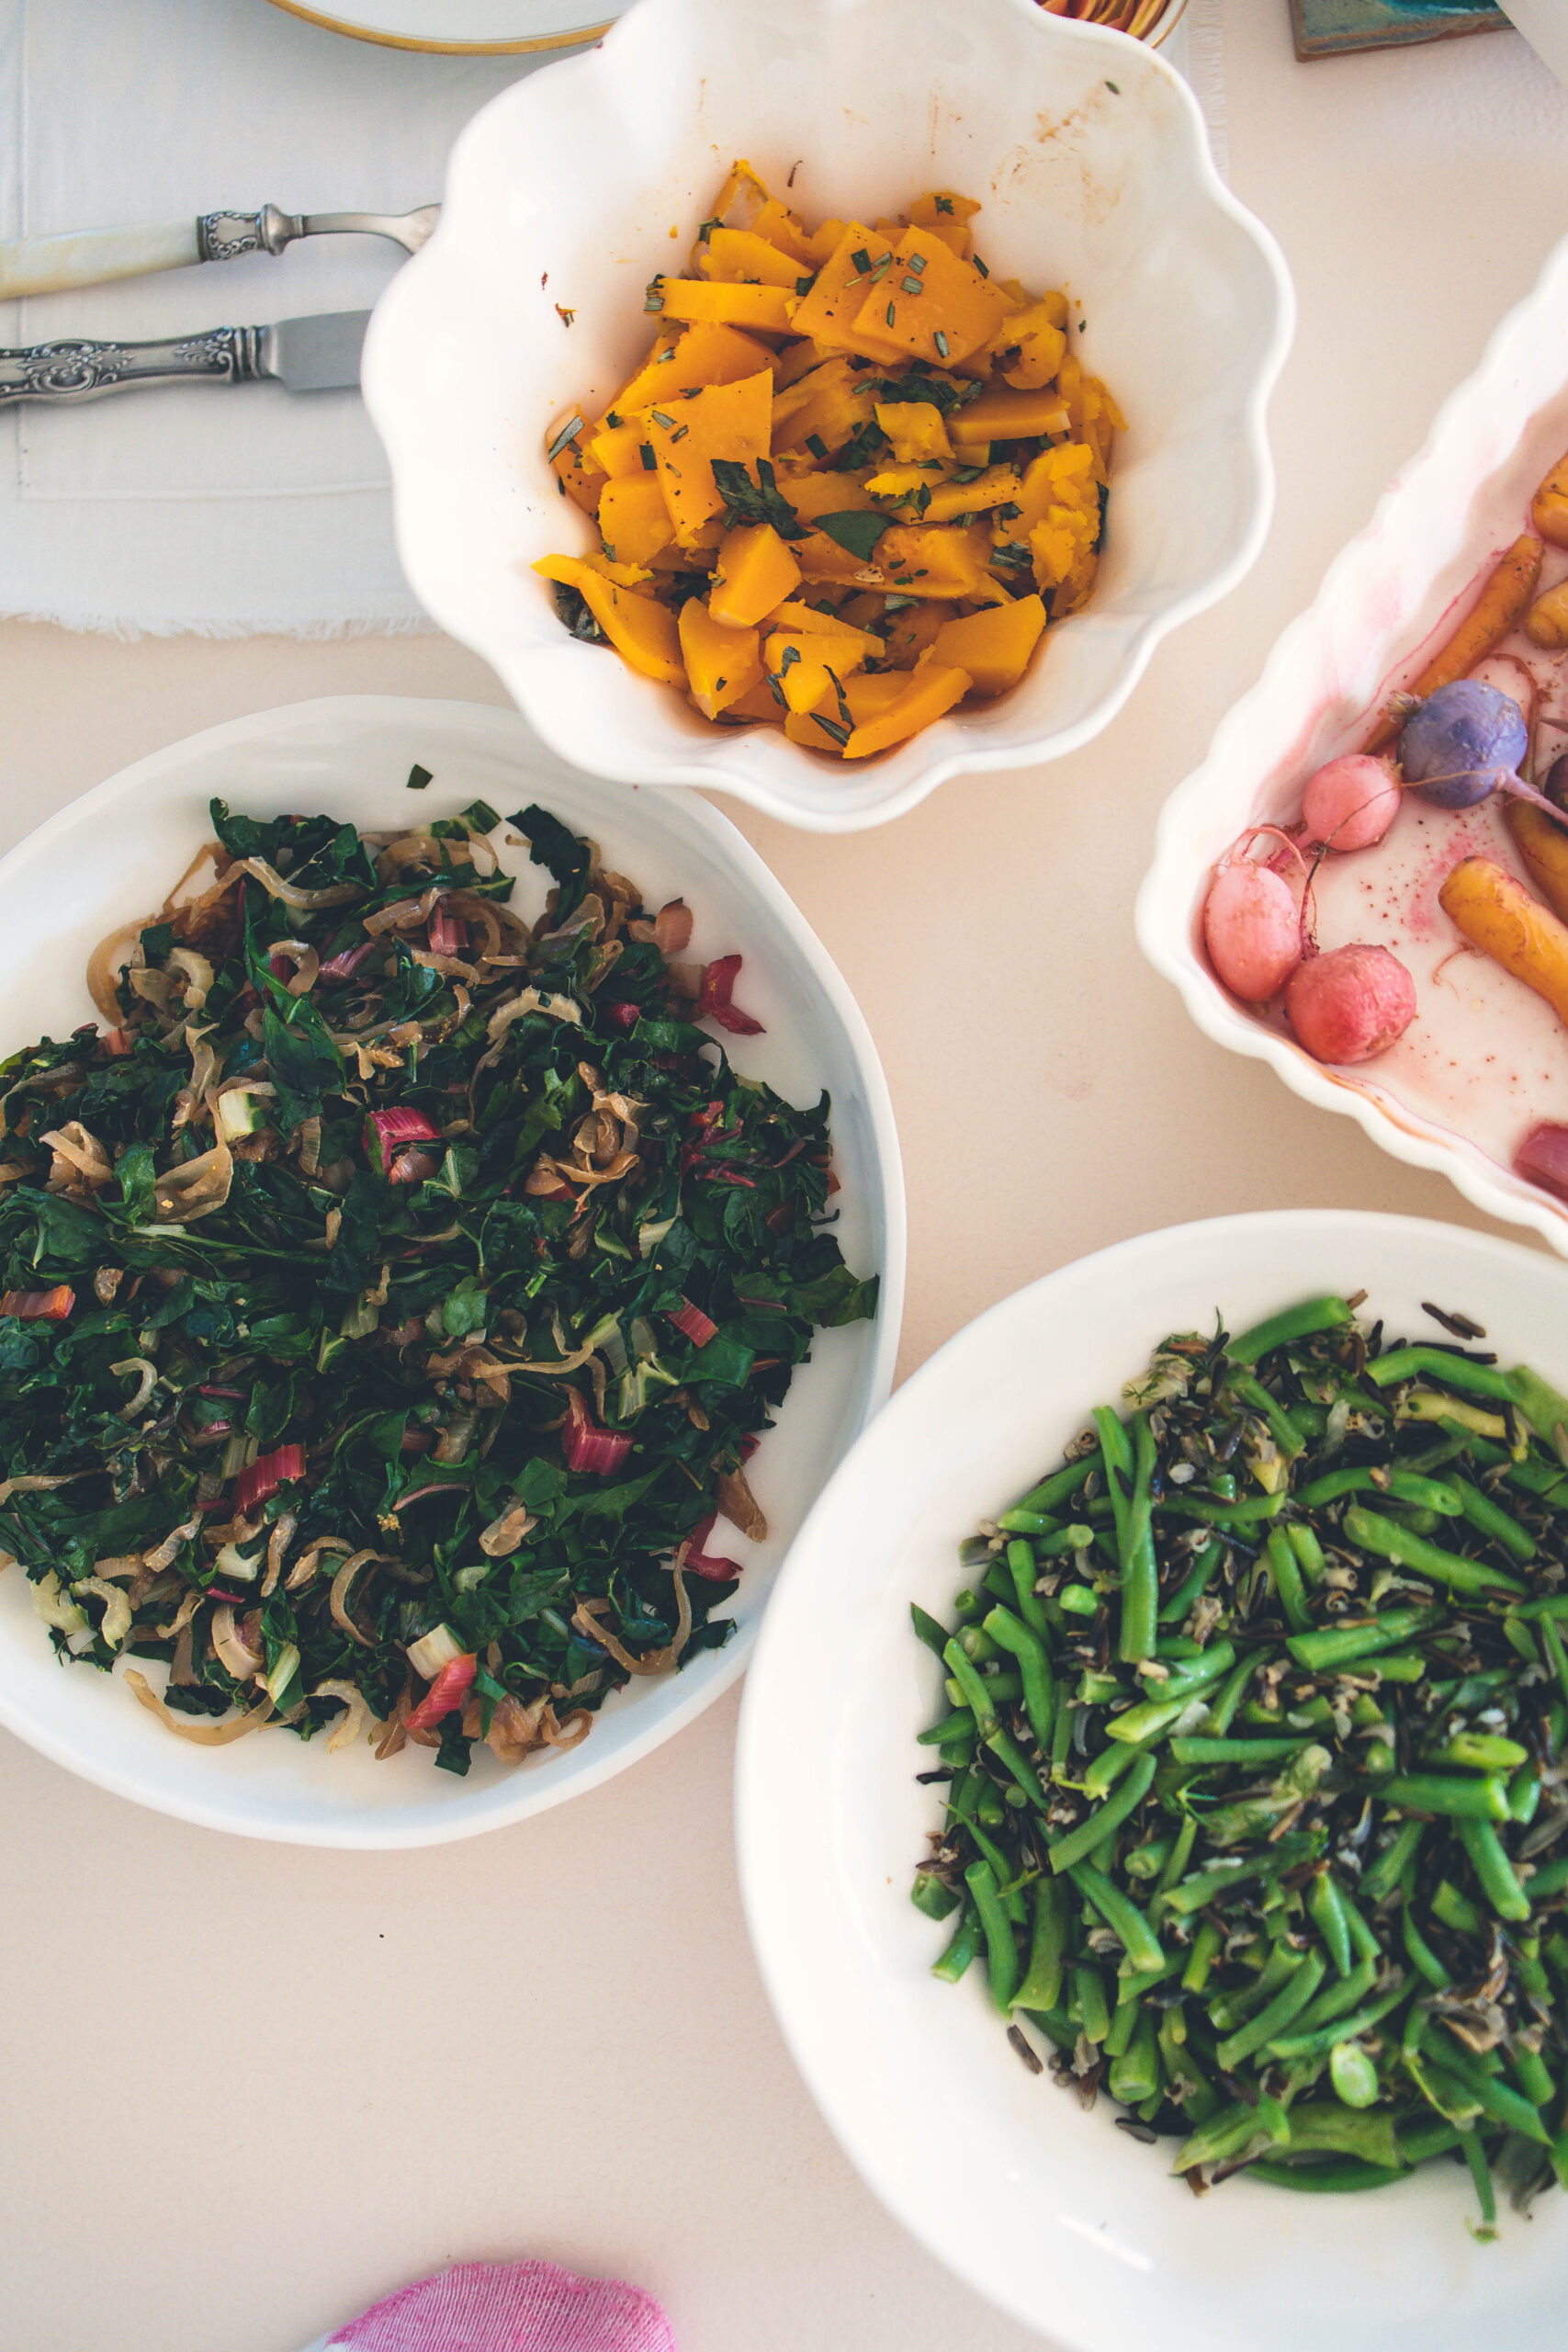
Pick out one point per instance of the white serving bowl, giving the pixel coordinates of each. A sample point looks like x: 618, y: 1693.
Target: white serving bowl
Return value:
x: 1484, y: 1059
x: 1054, y: 2213
x: 111, y: 856
x: 577, y: 185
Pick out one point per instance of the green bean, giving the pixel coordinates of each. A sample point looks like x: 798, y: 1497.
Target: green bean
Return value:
x: 1338, y: 1645
x: 1317, y: 2041
x: 1533, y: 2076
x: 1301, y: 1322
x: 972, y: 1684
x: 1436, y: 1363
x: 1549, y: 1878
x: 1487, y: 1519
x: 1148, y: 1860
x: 1371, y: 1531
x: 1337, y: 2000
x: 1205, y: 1950
x: 1481, y: 1751
x: 1287, y: 2005
x: 1556, y: 1657
x: 1124, y: 2024
x: 1304, y: 1543
x: 1021, y: 1571
x: 933, y: 1635
x: 1421, y: 1952
x: 1287, y: 1438
x: 1108, y: 1767
x: 1404, y: 1485
x: 1230, y: 2009
x: 968, y: 1603
x: 1456, y: 1910
x: 1026, y: 1522
x: 1136, y: 2077
x: 1404, y: 1666
x: 1205, y: 1567
x: 1287, y: 1582
x: 1075, y: 1537
x: 1231, y: 1519
x: 1495, y: 2099
x: 932, y: 1895
x: 1524, y: 1795
x: 1189, y: 1676
x: 1233, y: 2130
x: 1221, y: 1711
x: 1061, y: 1738
x: 1363, y: 1939
x: 1544, y: 1407
x: 1116, y: 1447
x: 1006, y: 1749
x: 1139, y: 1940
x: 1199, y: 1750
x: 1041, y: 1985
x: 1384, y: 1874
x: 1089, y: 1836
x: 1180, y: 1855
x: 997, y: 1688
x: 977, y: 1645
x: 1485, y: 1798
x: 1144, y: 1721
x: 1494, y: 1870
x: 1001, y: 1953
x: 951, y: 1727
x: 1088, y: 1997
x: 1326, y: 2125
x: 1061, y: 1485
x: 965, y: 1943
x: 1204, y: 1886
x: 1010, y: 1634
x: 1419, y: 2143
x: 1337, y: 2176
x: 1140, y: 1574
x: 1012, y: 1901
x: 1327, y: 1910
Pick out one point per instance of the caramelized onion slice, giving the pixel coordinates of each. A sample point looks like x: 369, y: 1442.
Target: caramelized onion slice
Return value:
x: 355, y: 1721
x: 338, y: 1600
x: 199, y: 1734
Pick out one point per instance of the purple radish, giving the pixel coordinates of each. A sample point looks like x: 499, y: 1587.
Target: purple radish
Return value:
x: 1463, y: 743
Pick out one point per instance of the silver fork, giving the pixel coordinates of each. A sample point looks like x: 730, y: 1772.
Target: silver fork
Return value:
x: 91, y: 256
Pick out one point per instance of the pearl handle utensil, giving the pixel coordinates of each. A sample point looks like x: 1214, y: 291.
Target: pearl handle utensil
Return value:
x: 93, y: 257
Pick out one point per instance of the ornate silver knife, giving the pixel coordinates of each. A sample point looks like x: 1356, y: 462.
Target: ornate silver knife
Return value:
x: 91, y: 256
x: 314, y: 354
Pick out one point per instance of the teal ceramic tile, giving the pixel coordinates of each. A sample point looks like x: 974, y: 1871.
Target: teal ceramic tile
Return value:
x: 1332, y: 28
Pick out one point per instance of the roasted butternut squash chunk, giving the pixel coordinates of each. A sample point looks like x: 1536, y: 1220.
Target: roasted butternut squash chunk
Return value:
x: 854, y: 480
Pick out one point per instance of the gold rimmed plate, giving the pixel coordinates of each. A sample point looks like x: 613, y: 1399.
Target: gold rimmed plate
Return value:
x: 463, y: 27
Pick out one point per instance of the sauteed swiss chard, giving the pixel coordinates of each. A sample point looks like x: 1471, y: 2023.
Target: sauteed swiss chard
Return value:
x: 393, y: 1291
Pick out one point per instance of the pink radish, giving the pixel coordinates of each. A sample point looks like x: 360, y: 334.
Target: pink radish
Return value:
x: 1542, y: 1158
x: 1351, y: 804
x: 1252, y: 929
x: 1351, y: 1004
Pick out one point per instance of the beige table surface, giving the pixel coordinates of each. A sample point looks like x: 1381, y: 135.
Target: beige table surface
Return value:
x: 248, y: 2088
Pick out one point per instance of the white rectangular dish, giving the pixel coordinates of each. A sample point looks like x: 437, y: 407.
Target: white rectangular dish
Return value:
x: 1484, y: 1060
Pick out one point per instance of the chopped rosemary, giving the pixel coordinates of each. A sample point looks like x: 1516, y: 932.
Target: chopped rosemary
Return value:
x: 568, y: 433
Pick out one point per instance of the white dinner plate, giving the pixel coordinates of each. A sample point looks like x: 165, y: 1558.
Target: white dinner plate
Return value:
x: 114, y: 854
x: 1054, y: 2213
x: 482, y: 25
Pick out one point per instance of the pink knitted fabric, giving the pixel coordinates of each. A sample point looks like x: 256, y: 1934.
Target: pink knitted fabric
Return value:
x: 511, y: 2307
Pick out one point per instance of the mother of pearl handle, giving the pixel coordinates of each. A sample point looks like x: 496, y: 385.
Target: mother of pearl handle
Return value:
x: 88, y: 256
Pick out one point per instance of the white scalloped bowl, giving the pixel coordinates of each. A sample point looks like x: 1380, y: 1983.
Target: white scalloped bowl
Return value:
x: 112, y: 854
x: 1484, y: 1059
x: 577, y: 185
